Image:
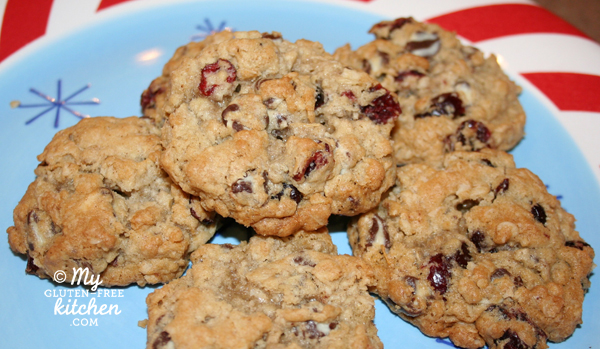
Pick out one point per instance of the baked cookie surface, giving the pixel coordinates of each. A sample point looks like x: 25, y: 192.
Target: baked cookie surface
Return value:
x: 477, y: 251
x: 452, y: 97
x: 153, y: 98
x: 270, y: 292
x: 277, y: 135
x: 100, y: 201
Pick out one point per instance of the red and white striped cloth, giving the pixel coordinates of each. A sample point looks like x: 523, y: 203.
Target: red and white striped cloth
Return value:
x: 544, y: 53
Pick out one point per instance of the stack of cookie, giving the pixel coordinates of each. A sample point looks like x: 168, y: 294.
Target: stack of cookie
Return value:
x: 407, y: 134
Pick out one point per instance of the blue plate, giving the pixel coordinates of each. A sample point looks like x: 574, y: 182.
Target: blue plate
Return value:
x: 102, y: 70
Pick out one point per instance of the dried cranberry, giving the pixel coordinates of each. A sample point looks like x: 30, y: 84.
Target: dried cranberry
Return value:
x: 319, y: 159
x: 148, y: 99
x: 439, y: 273
x: 539, y: 213
x: 350, y: 95
x: 444, y: 104
x: 403, y: 75
x: 382, y: 109
x: 466, y: 205
x: 302, y: 261
x: 210, y: 69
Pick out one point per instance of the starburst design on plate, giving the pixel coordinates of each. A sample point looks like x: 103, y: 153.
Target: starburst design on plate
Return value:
x: 559, y: 197
x: 445, y: 341
x: 57, y: 103
x: 208, y: 29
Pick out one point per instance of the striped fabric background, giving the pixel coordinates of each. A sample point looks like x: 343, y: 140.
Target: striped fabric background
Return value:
x: 540, y: 50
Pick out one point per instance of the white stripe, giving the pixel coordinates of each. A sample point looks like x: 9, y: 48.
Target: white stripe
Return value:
x: 420, y: 10
x: 68, y: 15
x: 2, y: 9
x: 546, y: 52
x: 583, y: 128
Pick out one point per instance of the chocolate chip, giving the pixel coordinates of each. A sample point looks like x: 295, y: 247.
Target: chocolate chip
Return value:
x: 272, y: 36
x: 424, y: 44
x: 366, y: 66
x: 240, y: 185
x: 510, y: 340
x: 295, y: 194
x: 466, y: 205
x: 539, y: 213
x: 403, y: 75
x: 462, y: 256
x: 498, y: 273
x: 445, y: 104
x: 31, y: 268
x: 577, y: 244
x: 487, y: 162
x: 502, y: 187
x: 32, y: 217
x: 378, y: 232
x: 228, y: 246
x: 518, y: 281
x: 333, y: 325
x: 319, y: 97
x: 162, y: 340
x: 194, y: 214
x: 478, y: 238
x: 230, y: 108
x: 396, y: 24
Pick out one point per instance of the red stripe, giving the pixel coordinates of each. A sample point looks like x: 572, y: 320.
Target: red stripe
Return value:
x: 24, y: 21
x: 109, y: 3
x: 487, y: 22
x: 569, y: 91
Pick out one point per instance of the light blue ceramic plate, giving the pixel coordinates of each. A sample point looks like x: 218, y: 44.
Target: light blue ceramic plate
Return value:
x: 103, y: 62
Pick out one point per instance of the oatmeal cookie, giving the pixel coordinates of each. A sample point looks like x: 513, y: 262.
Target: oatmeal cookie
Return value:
x: 153, y: 98
x: 277, y: 135
x: 477, y: 251
x: 271, y: 292
x: 452, y: 97
x: 100, y: 201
